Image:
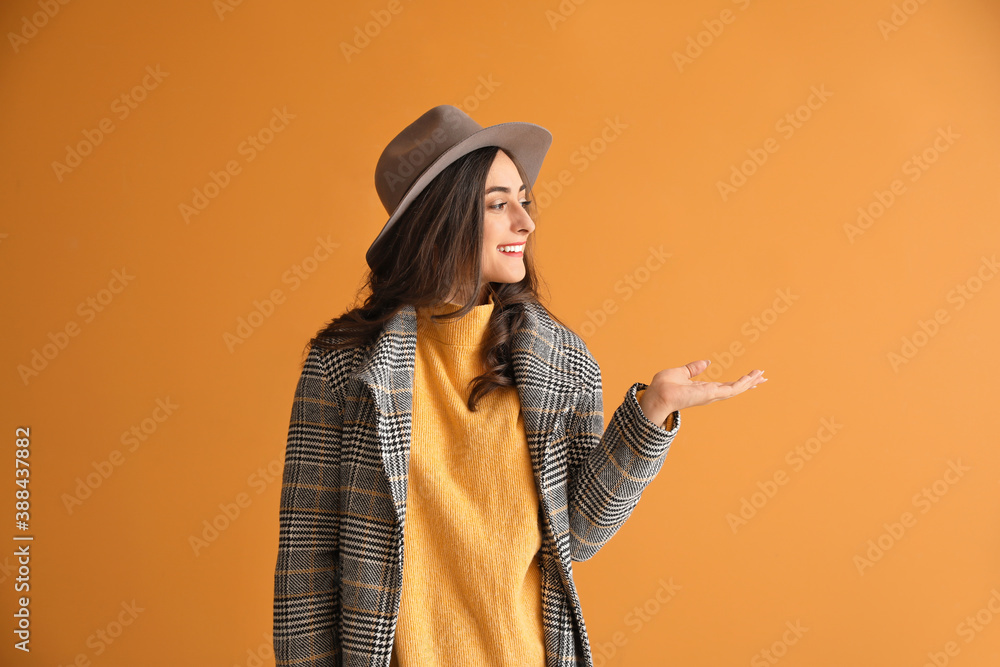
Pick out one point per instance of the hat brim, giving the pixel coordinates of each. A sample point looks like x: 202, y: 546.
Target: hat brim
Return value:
x: 527, y: 141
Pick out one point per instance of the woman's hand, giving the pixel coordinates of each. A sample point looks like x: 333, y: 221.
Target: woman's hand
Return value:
x: 673, y: 389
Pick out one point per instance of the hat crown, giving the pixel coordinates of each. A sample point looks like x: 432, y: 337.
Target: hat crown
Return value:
x: 418, y: 145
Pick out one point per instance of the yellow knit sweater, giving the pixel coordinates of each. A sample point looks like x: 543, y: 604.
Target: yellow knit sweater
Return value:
x: 471, y: 580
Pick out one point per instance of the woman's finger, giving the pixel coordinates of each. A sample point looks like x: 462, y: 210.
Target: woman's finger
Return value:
x: 696, y: 367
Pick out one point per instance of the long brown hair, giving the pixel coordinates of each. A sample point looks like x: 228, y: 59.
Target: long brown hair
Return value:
x: 436, y: 245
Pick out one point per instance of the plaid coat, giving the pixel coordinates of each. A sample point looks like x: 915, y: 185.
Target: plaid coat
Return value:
x: 338, y: 577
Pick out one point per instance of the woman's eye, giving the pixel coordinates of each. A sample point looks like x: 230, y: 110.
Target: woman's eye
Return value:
x: 499, y: 205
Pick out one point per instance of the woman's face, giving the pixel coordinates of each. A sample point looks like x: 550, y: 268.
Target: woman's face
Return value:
x: 506, y: 223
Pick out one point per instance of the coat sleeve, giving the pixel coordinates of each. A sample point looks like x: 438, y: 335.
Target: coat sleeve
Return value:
x: 610, y: 468
x: 306, y: 576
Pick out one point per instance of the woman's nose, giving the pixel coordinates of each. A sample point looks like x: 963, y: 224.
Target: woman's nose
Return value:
x: 523, y: 220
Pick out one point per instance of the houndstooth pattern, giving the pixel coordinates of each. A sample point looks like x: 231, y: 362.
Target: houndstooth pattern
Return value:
x: 338, y: 576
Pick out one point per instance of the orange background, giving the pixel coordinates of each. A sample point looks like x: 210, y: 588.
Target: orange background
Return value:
x: 682, y: 128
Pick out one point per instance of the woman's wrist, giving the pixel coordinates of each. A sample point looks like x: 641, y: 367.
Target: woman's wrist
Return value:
x: 660, y: 414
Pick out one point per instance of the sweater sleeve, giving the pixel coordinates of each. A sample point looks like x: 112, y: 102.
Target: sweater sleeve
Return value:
x: 610, y: 468
x: 306, y: 580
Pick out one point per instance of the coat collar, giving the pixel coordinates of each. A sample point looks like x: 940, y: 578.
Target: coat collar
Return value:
x: 547, y: 384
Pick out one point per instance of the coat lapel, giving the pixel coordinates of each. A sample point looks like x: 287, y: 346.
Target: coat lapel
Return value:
x: 387, y: 373
x: 546, y: 383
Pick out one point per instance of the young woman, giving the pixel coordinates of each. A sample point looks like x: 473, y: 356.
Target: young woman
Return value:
x: 447, y: 458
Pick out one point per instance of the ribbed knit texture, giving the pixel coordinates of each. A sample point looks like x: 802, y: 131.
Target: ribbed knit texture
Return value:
x: 471, y: 581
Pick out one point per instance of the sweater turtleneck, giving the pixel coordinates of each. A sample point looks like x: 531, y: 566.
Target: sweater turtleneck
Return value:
x: 467, y: 331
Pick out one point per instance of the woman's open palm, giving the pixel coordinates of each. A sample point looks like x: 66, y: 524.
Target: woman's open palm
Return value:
x: 675, y: 388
